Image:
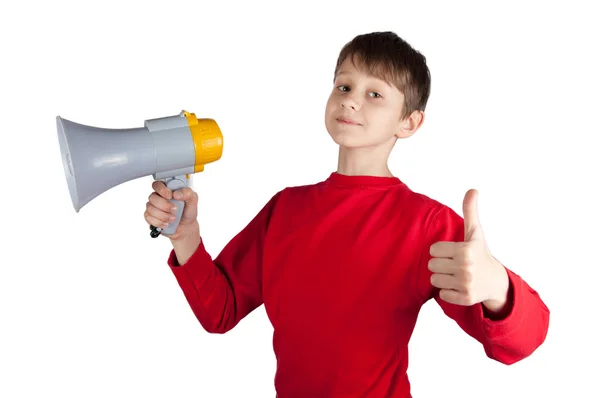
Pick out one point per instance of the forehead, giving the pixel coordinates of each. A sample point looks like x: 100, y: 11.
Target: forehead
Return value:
x: 373, y: 70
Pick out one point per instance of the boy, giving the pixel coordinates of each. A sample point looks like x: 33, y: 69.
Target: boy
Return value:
x: 343, y: 266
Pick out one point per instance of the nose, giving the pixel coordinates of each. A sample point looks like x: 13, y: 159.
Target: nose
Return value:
x: 350, y: 102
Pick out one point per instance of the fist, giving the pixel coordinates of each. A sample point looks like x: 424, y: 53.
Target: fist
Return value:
x: 461, y: 271
x: 466, y: 272
x: 160, y: 212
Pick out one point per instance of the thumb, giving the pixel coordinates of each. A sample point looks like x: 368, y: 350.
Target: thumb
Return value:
x: 190, y: 199
x: 473, y: 230
x: 186, y: 194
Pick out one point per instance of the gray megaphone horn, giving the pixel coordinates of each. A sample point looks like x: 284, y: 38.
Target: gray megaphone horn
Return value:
x: 168, y: 148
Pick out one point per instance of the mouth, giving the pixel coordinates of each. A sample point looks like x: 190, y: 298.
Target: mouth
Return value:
x: 344, y: 120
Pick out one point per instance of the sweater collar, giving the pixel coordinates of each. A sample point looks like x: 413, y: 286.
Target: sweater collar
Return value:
x: 362, y: 181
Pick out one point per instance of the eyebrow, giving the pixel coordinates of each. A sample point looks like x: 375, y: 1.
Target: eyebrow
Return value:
x: 344, y: 72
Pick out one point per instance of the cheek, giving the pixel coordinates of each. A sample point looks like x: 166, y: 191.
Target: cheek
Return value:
x: 384, y: 119
x: 330, y: 103
x: 330, y: 109
x: 334, y: 99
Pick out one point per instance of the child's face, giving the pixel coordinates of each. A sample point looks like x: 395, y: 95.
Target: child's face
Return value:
x: 362, y: 110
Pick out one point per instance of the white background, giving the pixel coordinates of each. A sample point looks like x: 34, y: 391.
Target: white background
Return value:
x: 88, y: 306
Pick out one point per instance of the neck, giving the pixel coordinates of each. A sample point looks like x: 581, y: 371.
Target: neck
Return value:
x: 366, y: 161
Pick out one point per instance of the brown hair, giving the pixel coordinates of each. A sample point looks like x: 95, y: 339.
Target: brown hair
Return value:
x: 389, y: 57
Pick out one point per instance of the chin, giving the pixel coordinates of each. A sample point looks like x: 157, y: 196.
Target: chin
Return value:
x: 347, y: 136
x: 347, y: 140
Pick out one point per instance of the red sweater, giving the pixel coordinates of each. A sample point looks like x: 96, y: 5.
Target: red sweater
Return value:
x: 341, y: 267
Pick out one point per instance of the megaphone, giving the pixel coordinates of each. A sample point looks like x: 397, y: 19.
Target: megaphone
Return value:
x: 169, y: 149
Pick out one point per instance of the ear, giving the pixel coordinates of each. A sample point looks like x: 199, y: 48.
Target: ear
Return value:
x: 410, y: 125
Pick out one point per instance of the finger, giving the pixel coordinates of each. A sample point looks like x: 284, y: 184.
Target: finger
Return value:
x: 161, y: 203
x: 444, y: 281
x: 161, y: 188
x: 154, y: 221
x: 444, y: 249
x: 466, y: 254
x: 158, y: 214
x: 443, y: 265
x: 455, y: 297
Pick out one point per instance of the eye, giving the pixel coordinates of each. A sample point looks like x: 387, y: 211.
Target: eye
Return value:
x: 375, y: 95
x: 343, y: 88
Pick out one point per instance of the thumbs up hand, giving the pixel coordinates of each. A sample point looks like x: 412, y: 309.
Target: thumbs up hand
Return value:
x: 466, y: 272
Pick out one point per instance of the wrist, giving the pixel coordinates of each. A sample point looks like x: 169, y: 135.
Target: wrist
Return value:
x: 186, y: 245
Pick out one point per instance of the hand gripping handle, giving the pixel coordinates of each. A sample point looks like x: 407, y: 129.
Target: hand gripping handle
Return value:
x: 174, y: 184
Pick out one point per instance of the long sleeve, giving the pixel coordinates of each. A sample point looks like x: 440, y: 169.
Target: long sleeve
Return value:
x: 222, y: 292
x: 507, y: 340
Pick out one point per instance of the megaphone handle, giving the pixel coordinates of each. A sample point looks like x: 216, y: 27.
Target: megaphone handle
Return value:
x: 174, y: 184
